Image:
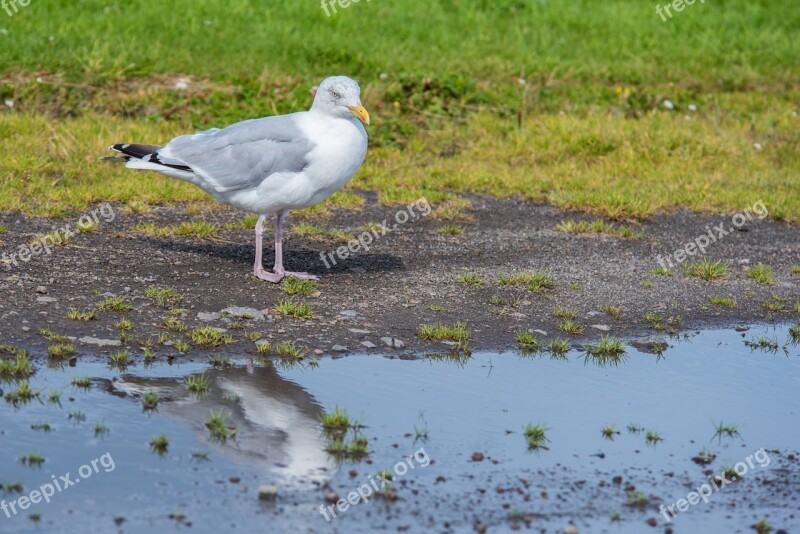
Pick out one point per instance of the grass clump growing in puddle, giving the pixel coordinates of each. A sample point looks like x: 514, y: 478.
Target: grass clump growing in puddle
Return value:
x: 794, y: 331
x: 220, y: 362
x: 100, y: 430
x: 559, y: 347
x: 536, y: 436
x: 707, y: 270
x: 60, y: 350
x: 293, y: 308
x: 289, y: 349
x: 299, y: 286
x: 336, y: 424
x: 609, y: 431
x: 159, y: 444
x: 218, y: 427
x: 528, y: 341
x: 11, y: 487
x: 18, y: 368
x: 763, y: 343
x: 150, y: 400
x: 22, y: 395
x: 82, y: 382
x: 726, y: 430
x: 44, y: 426
x: 723, y: 302
x: 609, y: 350
x: 49, y: 335
x: 31, y: 459
x: 763, y: 274
x: 197, y: 383
x: 119, y: 359
x: 652, y: 437
x: 337, y: 419
x: 471, y: 279
x: 638, y: 500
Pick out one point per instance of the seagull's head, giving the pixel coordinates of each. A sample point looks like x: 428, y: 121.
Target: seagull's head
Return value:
x: 340, y: 96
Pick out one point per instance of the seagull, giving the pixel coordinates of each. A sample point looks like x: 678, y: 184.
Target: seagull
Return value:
x: 271, y: 165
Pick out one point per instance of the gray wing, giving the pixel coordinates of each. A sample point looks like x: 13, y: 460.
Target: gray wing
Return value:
x: 243, y: 154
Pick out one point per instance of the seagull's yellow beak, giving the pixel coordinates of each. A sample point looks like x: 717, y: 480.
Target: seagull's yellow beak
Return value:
x: 360, y: 112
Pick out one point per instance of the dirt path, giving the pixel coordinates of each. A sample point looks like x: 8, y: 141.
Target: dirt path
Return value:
x: 408, y: 277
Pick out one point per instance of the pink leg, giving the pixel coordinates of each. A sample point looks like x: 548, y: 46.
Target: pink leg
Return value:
x: 279, y: 250
x: 258, y: 268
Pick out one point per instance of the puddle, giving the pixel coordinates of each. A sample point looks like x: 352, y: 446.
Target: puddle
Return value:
x: 446, y: 410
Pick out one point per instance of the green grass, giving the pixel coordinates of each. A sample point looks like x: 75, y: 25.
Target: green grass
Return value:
x: 585, y: 128
x: 570, y: 326
x: 450, y: 229
x: 81, y: 382
x: 565, y: 313
x: 537, y: 281
x: 76, y: 314
x: 192, y: 229
x: 653, y: 437
x: 613, y: 311
x: 18, y: 368
x: 536, y: 436
x: 163, y: 296
x: 197, y: 383
x: 290, y: 349
x: 471, y: 279
x: 320, y: 233
x: 159, y: 444
x: 293, y: 308
x: 608, y: 346
x: 60, y: 350
x: 31, y: 459
x: 336, y: 419
x: 119, y: 359
x: 150, y: 400
x: 637, y: 500
x: 458, y: 332
x: 528, y: 341
x: 763, y: 274
x: 101, y: 429
x: 661, y: 271
x: 707, y: 270
x: 724, y: 302
x: 559, y: 347
x: 208, y: 336
x: 598, y: 227
x: 299, y: 286
x: 726, y: 430
x: 44, y: 426
x: 116, y: 303
x: 796, y: 269
x: 218, y: 427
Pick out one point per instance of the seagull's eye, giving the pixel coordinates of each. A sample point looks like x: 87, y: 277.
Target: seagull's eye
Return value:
x: 334, y: 94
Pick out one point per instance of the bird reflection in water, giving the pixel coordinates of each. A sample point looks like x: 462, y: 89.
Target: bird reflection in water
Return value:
x: 277, y: 421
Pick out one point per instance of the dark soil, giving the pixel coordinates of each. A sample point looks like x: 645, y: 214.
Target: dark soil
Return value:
x: 407, y: 278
